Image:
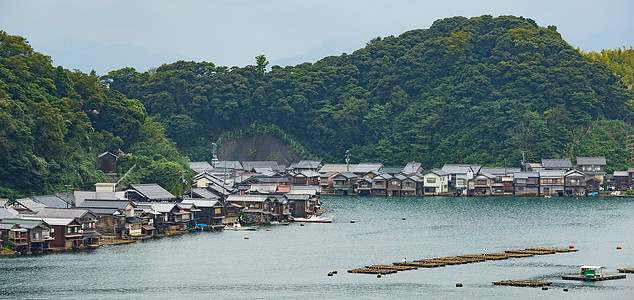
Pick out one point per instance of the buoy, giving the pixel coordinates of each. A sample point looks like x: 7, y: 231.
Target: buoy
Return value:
x: 544, y: 288
x: 334, y: 272
x: 459, y: 284
x: 618, y: 247
x: 571, y: 247
x: 378, y: 276
x: 403, y: 219
x: 302, y: 224
x: 565, y: 289
x: 329, y: 273
x: 351, y: 221
x: 268, y: 229
x: 246, y: 237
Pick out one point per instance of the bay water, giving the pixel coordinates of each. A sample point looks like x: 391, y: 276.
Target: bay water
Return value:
x: 293, y: 261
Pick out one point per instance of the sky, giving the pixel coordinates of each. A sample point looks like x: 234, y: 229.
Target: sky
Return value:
x: 144, y: 34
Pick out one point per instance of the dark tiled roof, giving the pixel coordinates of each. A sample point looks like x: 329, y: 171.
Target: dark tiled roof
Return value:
x: 114, y: 204
x: 591, y: 161
x: 308, y: 164
x: 363, y: 168
x: 152, y: 191
x: 411, y: 167
x: 556, y: 163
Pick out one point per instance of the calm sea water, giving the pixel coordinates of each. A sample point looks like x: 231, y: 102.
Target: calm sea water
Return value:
x: 293, y: 261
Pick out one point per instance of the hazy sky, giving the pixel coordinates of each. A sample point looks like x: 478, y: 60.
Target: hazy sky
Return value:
x: 109, y: 35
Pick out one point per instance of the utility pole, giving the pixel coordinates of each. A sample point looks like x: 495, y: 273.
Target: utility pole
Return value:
x: 348, y: 160
x: 523, y: 162
x: 67, y: 196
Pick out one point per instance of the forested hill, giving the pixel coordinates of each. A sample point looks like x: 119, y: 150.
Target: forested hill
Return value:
x: 478, y: 90
x: 54, y: 123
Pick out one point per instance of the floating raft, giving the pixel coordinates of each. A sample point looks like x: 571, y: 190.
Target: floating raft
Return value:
x: 597, y: 278
x: 420, y: 264
x: 628, y: 270
x: 522, y: 283
x: 457, y: 260
x: 372, y: 271
x: 393, y: 267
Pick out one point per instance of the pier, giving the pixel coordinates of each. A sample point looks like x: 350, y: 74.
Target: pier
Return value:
x: 594, y: 278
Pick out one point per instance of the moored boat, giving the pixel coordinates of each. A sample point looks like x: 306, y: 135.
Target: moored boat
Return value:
x: 238, y: 226
x: 314, y: 219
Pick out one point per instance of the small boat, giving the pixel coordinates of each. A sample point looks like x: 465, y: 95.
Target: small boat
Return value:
x: 238, y: 226
x: 279, y: 223
x: 548, y: 196
x: 313, y: 219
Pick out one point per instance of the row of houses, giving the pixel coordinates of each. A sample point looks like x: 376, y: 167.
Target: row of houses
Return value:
x: 87, y: 218
x: 547, y: 177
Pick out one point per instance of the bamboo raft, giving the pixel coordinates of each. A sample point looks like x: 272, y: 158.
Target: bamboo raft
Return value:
x: 457, y: 260
x: 522, y: 283
x: 627, y: 270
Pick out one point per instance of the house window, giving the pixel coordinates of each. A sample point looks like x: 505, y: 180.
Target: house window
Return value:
x: 52, y: 230
x: 408, y: 184
x: 431, y: 180
x: 481, y: 182
x: 461, y: 182
x: 521, y: 181
x: 218, y: 211
x: 394, y: 182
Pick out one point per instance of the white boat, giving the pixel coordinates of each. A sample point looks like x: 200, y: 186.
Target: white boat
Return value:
x: 238, y: 226
x: 314, y: 219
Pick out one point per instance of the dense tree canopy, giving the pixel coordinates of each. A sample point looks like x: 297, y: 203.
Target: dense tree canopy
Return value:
x: 478, y: 90
x: 54, y: 123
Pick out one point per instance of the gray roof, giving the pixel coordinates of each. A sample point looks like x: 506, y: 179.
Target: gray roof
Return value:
x: 7, y: 213
x: 591, y: 161
x: 391, y: 170
x: 247, y: 198
x: 63, y: 213
x: 363, y: 168
x: 525, y: 175
x: 621, y: 174
x: 556, y: 163
x: 552, y: 173
x: 302, y: 197
x: 457, y: 169
x: 341, y: 168
x: 200, y: 203
x: 163, y: 207
x: 400, y: 176
x: 152, y: 191
x: 252, y: 165
x: 499, y: 171
x: 309, y: 173
x: 411, y: 167
x: 52, y: 201
x: 308, y: 164
x: 30, y: 204
x: 114, y: 204
x: 229, y: 164
x: 383, y: 176
x: 219, y: 190
x: 347, y: 175
x: 200, y: 166
x: 4, y: 201
x: 203, y: 193
x: 438, y: 172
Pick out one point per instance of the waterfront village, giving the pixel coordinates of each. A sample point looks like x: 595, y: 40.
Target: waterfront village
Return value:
x: 227, y: 193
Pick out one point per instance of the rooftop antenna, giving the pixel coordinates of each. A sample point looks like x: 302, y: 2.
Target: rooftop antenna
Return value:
x: 348, y: 160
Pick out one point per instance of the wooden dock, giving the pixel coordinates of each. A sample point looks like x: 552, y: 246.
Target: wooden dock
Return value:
x: 523, y: 283
x: 600, y: 277
x: 627, y: 270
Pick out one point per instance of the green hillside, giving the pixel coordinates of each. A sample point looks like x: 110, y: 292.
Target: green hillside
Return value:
x: 478, y: 90
x: 54, y: 122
